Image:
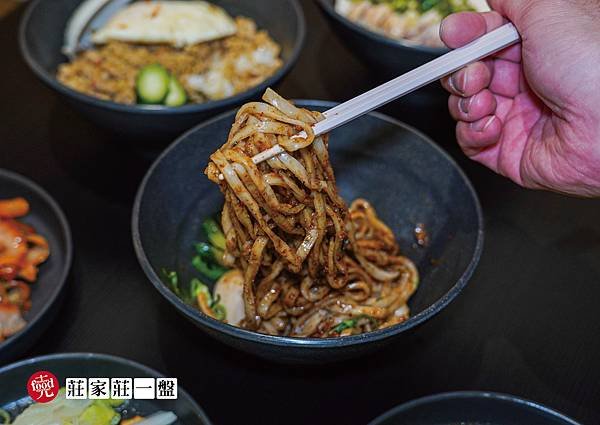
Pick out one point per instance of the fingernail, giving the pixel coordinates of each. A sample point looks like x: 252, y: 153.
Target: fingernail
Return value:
x: 482, y: 125
x: 464, y: 104
x: 442, y: 25
x: 458, y: 81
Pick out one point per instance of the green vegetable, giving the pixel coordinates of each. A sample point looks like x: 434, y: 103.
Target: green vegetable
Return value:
x: 173, y: 279
x: 197, y: 287
x: 207, y: 268
x: 113, y: 402
x: 152, y: 84
x: 351, y: 323
x: 346, y: 324
x: 444, y: 7
x: 206, y: 261
x: 218, y: 308
x: 100, y: 413
x: 214, y: 233
x: 220, y: 311
x: 4, y: 416
x: 209, y: 252
x: 176, y: 95
x: 428, y: 4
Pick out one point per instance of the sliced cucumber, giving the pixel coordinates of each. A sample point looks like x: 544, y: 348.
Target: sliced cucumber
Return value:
x: 152, y: 84
x: 176, y: 96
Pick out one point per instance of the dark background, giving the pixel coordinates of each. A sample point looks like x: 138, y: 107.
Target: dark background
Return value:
x: 528, y: 323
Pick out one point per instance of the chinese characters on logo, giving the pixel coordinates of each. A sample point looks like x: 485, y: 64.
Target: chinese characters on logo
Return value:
x: 166, y: 388
x: 43, y: 387
x: 76, y: 388
x: 143, y: 388
x: 121, y: 388
x: 98, y: 388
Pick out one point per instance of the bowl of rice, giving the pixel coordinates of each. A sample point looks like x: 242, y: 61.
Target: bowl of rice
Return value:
x: 149, y: 70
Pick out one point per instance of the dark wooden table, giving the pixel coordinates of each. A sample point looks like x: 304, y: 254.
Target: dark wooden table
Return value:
x: 528, y: 323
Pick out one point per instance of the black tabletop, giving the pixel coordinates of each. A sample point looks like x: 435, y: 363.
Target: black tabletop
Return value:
x: 527, y: 323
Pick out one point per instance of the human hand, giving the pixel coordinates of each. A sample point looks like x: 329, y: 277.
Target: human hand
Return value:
x: 532, y: 111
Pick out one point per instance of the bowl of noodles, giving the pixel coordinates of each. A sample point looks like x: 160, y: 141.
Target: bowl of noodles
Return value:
x: 331, y: 249
x: 394, y: 36
x: 148, y: 70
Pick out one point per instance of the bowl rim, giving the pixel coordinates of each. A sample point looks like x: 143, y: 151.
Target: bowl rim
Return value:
x: 84, y: 356
x: 320, y: 343
x: 51, y: 80
x: 489, y: 395
x: 374, y: 36
x: 65, y: 230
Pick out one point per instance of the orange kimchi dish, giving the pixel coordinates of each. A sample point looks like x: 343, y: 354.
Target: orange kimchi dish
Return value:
x: 22, y: 250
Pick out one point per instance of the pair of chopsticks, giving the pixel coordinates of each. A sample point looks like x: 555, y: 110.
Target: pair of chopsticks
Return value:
x: 446, y: 64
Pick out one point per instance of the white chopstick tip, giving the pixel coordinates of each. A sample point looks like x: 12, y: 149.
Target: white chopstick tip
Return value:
x: 263, y: 156
x: 266, y: 154
x: 301, y: 135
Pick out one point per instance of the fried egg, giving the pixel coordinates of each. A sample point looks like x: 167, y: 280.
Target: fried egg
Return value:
x: 178, y: 23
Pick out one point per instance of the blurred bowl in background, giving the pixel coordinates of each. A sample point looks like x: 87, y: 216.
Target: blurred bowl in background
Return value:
x: 387, y: 56
x: 472, y: 408
x: 41, y: 40
x: 49, y: 221
x: 14, y: 378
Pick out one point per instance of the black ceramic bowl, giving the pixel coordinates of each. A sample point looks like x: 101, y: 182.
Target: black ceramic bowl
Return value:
x: 41, y: 38
x: 49, y: 221
x: 400, y: 171
x: 13, y: 381
x: 387, y: 56
x: 472, y: 408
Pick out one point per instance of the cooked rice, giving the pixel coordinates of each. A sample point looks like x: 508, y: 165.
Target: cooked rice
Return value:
x: 208, y: 71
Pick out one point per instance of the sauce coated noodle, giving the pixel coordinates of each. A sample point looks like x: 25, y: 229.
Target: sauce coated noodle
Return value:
x: 312, y: 266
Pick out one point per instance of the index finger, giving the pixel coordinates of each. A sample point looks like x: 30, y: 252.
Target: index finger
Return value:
x: 461, y: 28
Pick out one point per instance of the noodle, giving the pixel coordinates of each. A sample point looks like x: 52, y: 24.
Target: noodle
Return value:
x: 312, y: 267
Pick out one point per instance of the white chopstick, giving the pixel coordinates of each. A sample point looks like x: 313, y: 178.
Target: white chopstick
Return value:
x: 446, y: 64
